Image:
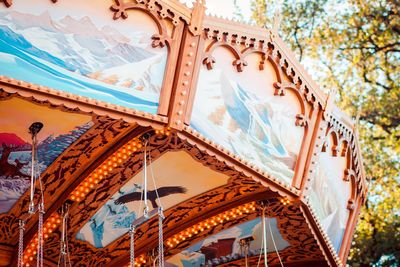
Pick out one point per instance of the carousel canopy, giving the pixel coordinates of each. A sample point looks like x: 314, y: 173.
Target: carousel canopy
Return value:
x: 239, y: 146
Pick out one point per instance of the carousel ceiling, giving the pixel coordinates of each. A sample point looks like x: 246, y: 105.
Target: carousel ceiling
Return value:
x: 233, y: 128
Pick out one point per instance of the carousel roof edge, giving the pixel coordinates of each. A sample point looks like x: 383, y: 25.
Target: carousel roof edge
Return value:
x: 74, y: 102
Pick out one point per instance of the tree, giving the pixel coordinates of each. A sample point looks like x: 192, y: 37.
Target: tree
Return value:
x: 354, y: 47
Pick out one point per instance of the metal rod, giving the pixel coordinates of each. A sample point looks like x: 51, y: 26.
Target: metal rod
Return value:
x: 33, y: 175
x: 264, y: 238
x: 146, y: 207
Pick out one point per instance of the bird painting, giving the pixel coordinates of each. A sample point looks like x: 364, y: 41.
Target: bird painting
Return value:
x: 151, y: 195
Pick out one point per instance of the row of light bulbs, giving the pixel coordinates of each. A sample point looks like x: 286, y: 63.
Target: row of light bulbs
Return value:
x: 210, y: 222
x: 113, y: 161
x: 31, y: 249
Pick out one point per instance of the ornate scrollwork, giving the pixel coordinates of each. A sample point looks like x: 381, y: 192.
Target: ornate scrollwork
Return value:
x: 157, y: 8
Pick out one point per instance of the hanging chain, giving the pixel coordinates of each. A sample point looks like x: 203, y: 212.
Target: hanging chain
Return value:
x: 40, y: 236
x: 132, y: 243
x: 160, y: 238
x: 21, y: 243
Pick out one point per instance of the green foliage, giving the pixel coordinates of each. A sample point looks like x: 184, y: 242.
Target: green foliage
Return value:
x: 354, y: 47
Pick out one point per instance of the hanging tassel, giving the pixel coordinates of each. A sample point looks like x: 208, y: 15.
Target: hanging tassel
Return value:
x: 21, y: 243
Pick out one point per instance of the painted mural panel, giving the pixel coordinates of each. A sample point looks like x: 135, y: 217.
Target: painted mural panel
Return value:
x: 60, y: 130
x: 226, y: 244
x: 239, y: 111
x: 329, y: 196
x: 171, y: 175
x: 76, y: 46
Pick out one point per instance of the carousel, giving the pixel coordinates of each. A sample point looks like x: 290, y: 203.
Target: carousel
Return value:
x: 147, y: 133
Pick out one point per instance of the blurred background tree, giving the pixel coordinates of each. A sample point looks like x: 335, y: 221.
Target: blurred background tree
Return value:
x: 354, y: 47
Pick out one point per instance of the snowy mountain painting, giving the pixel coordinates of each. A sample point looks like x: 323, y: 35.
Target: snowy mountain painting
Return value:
x: 329, y: 195
x: 16, y: 116
x: 170, y: 171
x: 226, y: 244
x: 259, y: 130
x: 77, y: 54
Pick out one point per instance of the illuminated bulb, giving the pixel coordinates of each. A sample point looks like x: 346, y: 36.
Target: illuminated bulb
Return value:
x: 82, y: 194
x: 78, y: 199
x: 119, y: 155
x: 139, y: 145
x: 46, y: 235
x: 124, y: 157
x: 50, y: 231
x: 119, y: 161
x: 100, y: 171
x: 29, y: 250
x: 58, y: 221
x: 81, y: 188
x: 54, y: 225
x: 85, y: 183
x: 109, y: 163
x: 90, y: 179
x: 96, y: 181
x: 31, y: 258
x: 114, y: 158
x: 53, y: 219
x: 106, y: 173
x: 101, y: 177
x: 48, y: 224
x: 87, y: 190
x: 115, y: 165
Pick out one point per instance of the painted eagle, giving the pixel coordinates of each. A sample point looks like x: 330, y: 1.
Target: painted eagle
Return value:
x: 151, y: 195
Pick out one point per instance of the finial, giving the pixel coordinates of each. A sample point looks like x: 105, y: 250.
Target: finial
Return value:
x: 196, y: 20
x: 276, y: 21
x: 330, y: 100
